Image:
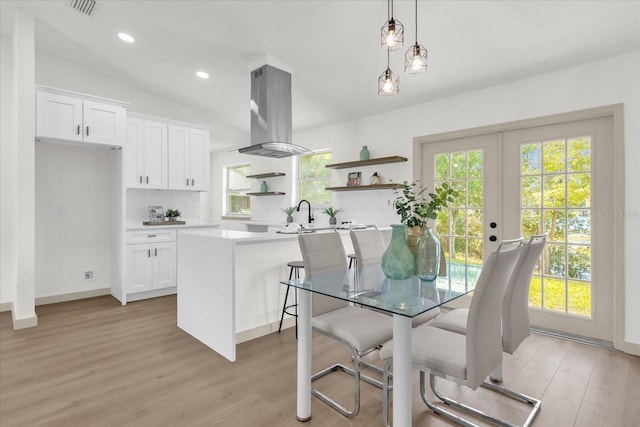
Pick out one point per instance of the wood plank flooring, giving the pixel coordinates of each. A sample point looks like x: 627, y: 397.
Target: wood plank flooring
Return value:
x: 96, y: 363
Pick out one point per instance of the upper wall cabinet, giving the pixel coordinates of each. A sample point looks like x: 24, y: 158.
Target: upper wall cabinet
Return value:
x: 145, y: 154
x: 188, y: 158
x: 166, y: 154
x: 63, y: 116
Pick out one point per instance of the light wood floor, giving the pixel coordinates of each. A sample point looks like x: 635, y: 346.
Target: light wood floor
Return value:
x: 97, y: 363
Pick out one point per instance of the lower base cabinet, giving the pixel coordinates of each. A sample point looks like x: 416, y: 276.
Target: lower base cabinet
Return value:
x: 150, y: 266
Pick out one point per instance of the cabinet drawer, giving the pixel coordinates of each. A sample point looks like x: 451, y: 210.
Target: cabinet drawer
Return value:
x: 151, y: 236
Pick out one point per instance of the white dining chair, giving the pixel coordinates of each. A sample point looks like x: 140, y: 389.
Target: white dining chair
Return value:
x: 466, y: 359
x: 368, y: 246
x: 360, y: 329
x: 515, y: 317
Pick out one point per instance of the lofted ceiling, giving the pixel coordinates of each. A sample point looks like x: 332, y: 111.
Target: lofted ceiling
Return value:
x: 332, y: 47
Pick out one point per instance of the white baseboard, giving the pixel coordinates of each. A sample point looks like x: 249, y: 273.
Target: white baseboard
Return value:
x: 5, y: 306
x: 151, y: 294
x: 53, y: 299
x: 261, y: 331
x: 27, y: 322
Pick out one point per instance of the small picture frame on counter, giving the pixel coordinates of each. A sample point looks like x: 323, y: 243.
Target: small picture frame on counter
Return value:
x: 353, y: 179
x: 156, y: 214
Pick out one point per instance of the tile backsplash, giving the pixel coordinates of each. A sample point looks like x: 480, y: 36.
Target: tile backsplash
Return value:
x: 187, y: 202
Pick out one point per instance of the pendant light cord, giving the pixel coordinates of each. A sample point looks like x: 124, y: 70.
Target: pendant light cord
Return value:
x: 416, y: 21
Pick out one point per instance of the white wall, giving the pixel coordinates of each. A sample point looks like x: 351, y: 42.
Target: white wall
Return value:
x: 610, y: 81
x: 72, y: 219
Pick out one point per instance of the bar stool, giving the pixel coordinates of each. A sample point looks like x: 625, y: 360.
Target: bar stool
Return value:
x: 294, y: 272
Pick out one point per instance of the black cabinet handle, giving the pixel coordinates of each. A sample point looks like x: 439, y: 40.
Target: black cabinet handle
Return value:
x: 87, y: 130
x: 156, y: 251
x: 149, y: 253
x: 78, y: 130
x: 140, y: 179
x: 193, y: 182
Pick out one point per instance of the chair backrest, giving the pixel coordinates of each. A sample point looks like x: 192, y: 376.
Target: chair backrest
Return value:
x: 484, y: 337
x: 323, y: 253
x: 515, y: 306
x: 368, y: 246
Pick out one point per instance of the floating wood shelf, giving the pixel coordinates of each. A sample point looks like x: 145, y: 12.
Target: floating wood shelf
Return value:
x: 267, y: 193
x: 366, y: 187
x: 378, y: 161
x: 266, y: 175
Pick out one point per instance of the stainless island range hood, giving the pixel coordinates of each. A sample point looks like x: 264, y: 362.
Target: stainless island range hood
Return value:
x: 271, y: 114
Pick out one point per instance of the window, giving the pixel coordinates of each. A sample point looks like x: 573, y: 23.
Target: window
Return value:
x: 238, y: 203
x: 314, y: 178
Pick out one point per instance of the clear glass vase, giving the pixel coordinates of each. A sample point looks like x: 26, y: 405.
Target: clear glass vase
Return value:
x: 428, y: 258
x: 398, y: 262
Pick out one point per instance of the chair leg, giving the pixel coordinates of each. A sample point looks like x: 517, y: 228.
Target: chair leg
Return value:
x: 355, y: 372
x: 473, y: 411
x: 496, y: 375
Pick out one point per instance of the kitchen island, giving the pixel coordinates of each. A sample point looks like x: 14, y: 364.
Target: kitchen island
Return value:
x: 229, y: 287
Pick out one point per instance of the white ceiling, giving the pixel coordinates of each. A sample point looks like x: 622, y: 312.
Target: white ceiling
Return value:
x: 332, y: 47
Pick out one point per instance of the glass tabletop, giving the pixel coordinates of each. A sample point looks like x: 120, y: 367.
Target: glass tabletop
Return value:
x: 368, y: 286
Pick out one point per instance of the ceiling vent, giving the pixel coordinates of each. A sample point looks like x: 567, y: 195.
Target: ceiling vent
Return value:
x: 83, y: 6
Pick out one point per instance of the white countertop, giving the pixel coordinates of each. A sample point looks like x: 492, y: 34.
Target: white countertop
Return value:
x: 241, y: 236
x: 188, y: 225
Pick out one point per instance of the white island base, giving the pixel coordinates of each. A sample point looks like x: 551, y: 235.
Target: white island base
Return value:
x: 229, y: 288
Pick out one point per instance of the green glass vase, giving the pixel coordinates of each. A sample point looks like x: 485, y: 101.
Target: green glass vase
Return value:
x: 398, y: 262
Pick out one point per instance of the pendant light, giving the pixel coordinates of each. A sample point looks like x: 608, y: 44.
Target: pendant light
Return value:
x: 415, y: 60
x: 392, y: 32
x: 388, y: 83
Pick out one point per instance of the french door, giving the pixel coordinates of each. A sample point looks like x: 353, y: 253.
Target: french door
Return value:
x: 519, y: 182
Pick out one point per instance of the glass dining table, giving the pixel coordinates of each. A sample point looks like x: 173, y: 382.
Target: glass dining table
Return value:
x: 368, y: 288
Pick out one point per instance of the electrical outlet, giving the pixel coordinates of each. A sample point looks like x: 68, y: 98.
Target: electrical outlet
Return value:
x: 88, y: 275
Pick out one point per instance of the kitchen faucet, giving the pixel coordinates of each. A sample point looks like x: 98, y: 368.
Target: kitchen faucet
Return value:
x: 308, y: 204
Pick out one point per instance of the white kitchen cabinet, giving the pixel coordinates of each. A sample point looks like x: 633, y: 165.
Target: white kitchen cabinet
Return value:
x: 79, y: 118
x: 151, y: 265
x: 145, y: 153
x: 188, y: 158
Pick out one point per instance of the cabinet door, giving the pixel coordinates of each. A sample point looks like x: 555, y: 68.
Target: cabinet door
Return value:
x: 58, y: 116
x: 179, y: 177
x: 134, y: 153
x: 155, y: 155
x: 199, y: 159
x: 139, y: 273
x: 103, y: 123
x: 164, y: 265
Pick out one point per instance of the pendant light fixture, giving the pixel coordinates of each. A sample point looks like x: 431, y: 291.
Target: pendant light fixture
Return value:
x: 388, y: 83
x: 392, y: 32
x: 415, y: 60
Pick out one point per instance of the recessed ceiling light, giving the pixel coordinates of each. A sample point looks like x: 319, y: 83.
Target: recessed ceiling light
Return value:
x: 202, y: 74
x: 126, y: 37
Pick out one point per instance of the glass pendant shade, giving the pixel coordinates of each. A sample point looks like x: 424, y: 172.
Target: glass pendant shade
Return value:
x: 415, y: 60
x: 392, y: 35
x: 388, y: 83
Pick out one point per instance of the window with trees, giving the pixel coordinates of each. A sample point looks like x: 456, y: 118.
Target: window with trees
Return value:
x: 314, y: 178
x: 238, y: 185
x: 555, y: 186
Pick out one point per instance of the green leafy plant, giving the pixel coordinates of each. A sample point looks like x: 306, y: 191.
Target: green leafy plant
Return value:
x: 331, y: 212
x: 416, y: 208
x: 289, y: 211
x: 172, y: 213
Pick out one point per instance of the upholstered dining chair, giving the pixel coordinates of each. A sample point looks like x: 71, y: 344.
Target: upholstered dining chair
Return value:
x: 368, y: 246
x: 359, y: 329
x: 466, y: 359
x: 515, y: 317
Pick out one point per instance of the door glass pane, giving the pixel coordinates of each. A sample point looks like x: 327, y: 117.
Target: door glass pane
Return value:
x: 460, y: 226
x: 555, y: 189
